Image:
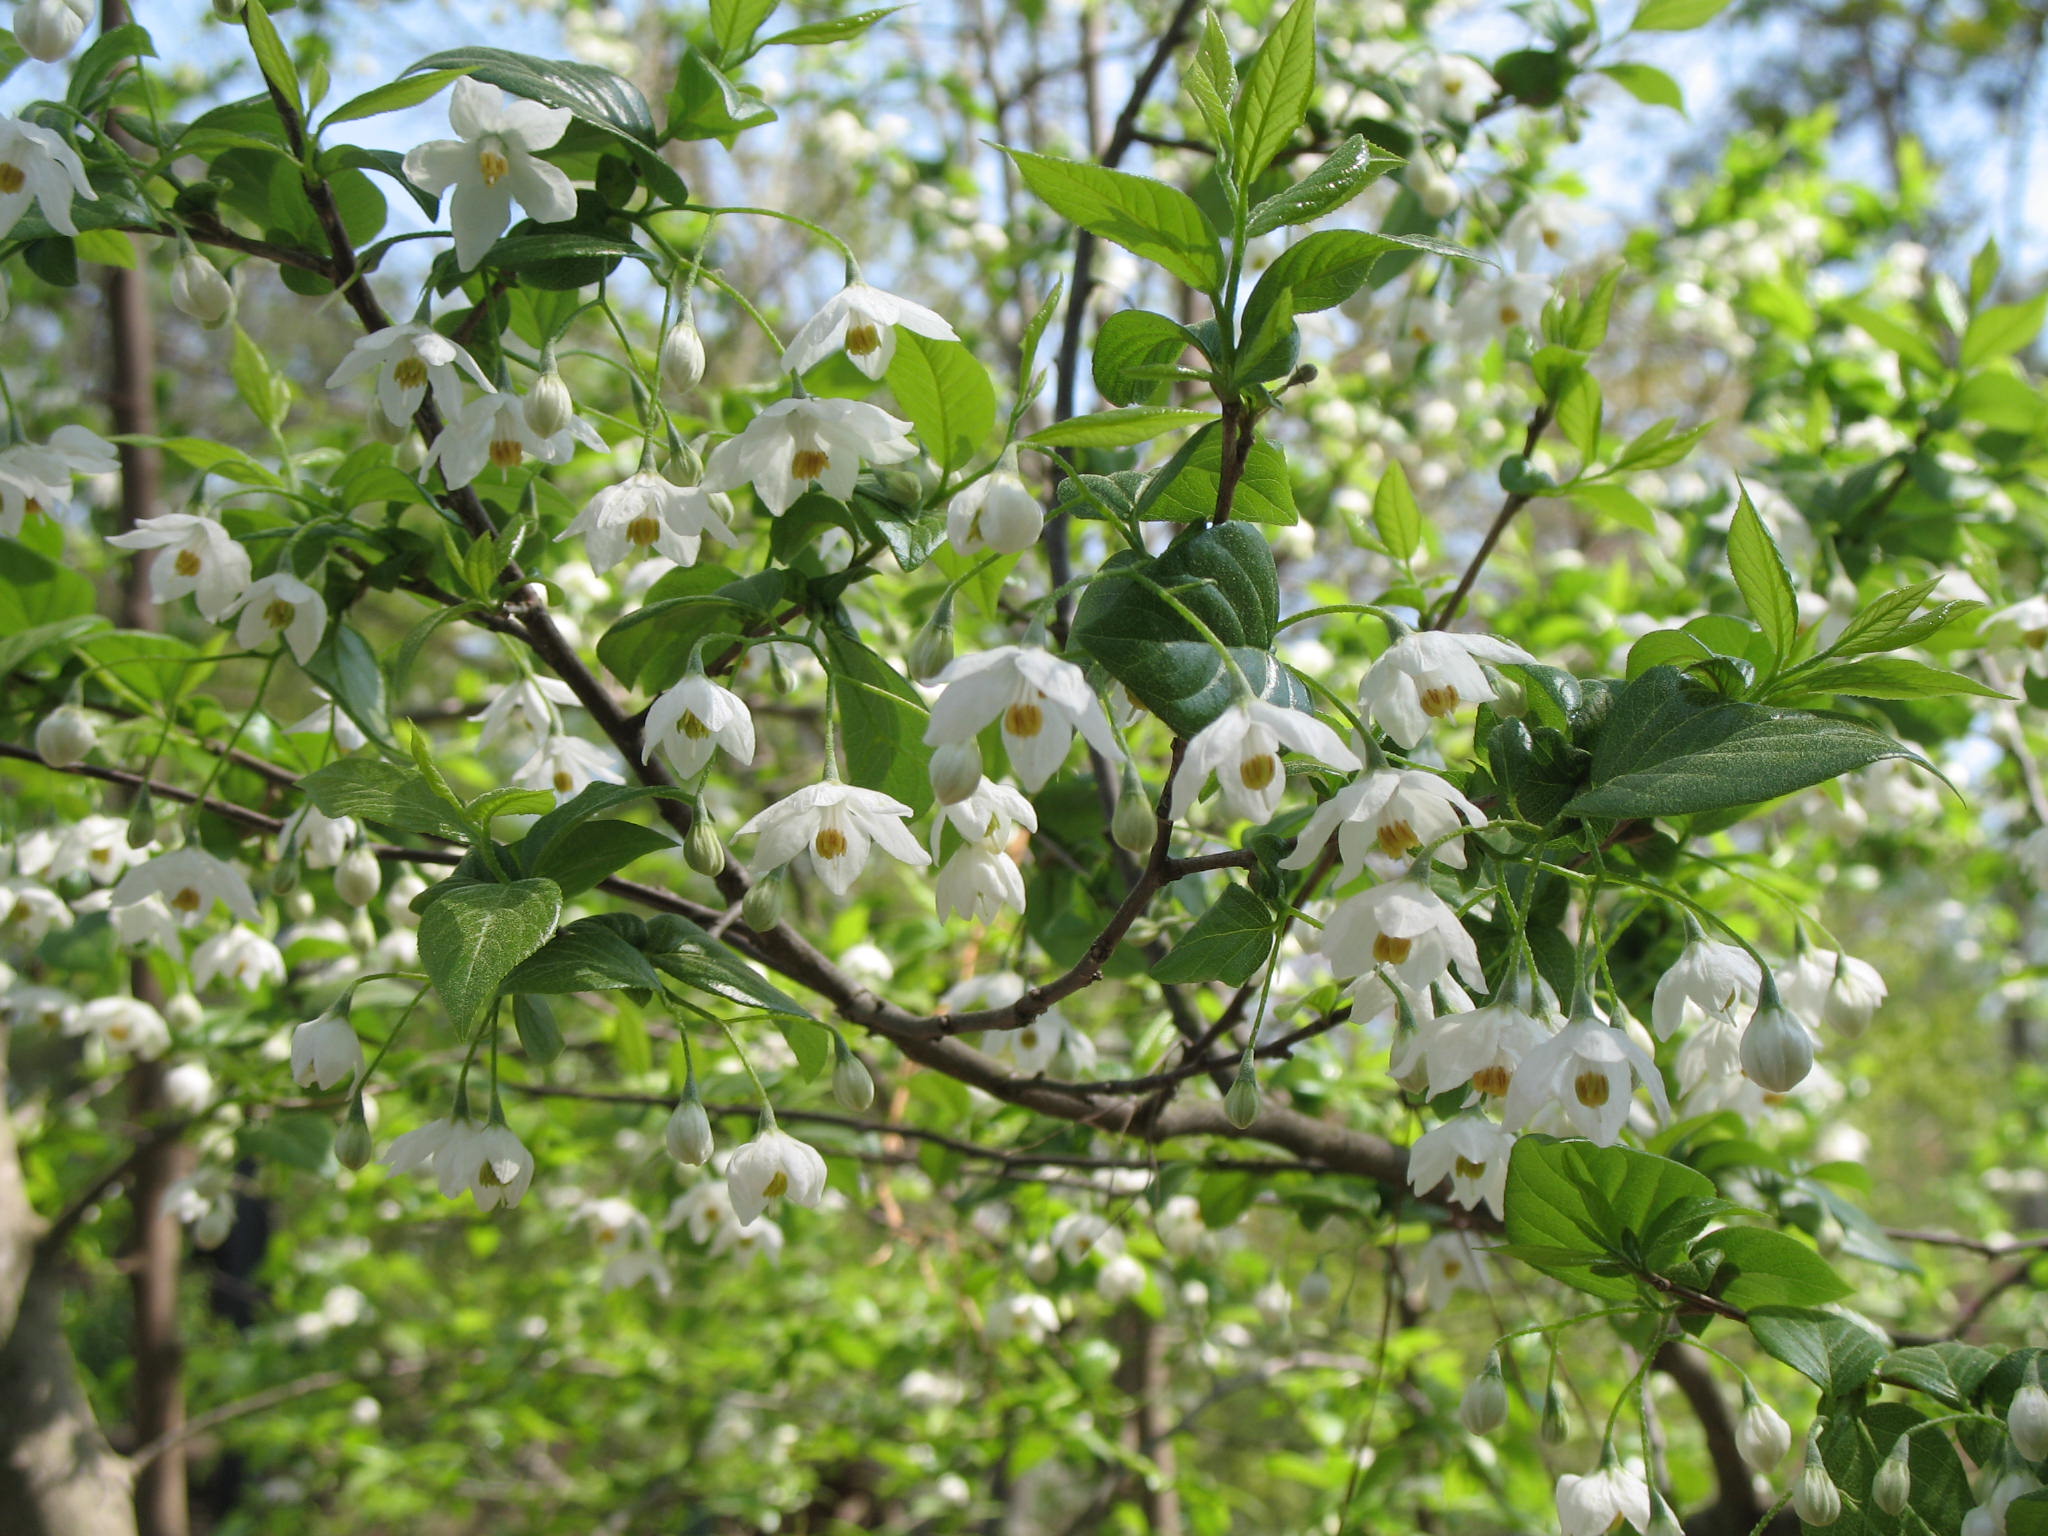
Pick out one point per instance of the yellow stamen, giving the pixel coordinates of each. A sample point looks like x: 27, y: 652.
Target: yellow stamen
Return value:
x: 487, y: 1175
x: 411, y: 373
x: 1025, y: 720
x: 1453, y: 1268
x: 1258, y: 772
x: 277, y: 613
x: 830, y: 843
x: 20, y: 914
x: 643, y: 531
x: 1492, y: 1081
x: 187, y: 563
x: 1439, y: 702
x: 12, y: 177
x: 493, y: 164
x: 809, y: 463
x: 1028, y: 1039
x: 862, y: 340
x: 564, y: 781
x: 1467, y: 1169
x: 1388, y: 950
x: 776, y: 1185
x: 694, y: 728
x: 187, y: 900
x: 1592, y: 1089
x: 1396, y: 838
x: 507, y: 453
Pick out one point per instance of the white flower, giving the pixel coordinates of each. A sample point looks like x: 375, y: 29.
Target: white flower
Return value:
x: 1450, y: 1264
x: 188, y: 1088
x: 704, y: 1208
x: 758, y: 1239
x: 977, y: 882
x: 492, y: 429
x: 1121, y: 1279
x: 1404, y: 926
x: 1595, y: 1505
x: 997, y: 513
x: 320, y: 839
x: 145, y: 925
x: 1031, y: 1050
x: 1543, y: 226
x: 196, y: 555
x: 799, y: 442
x: 280, y: 604
x: 1502, y: 303
x: 1027, y: 1316
x: 568, y: 765
x: 45, y: 1007
x: 1453, y: 88
x: 1839, y: 991
x: 835, y: 825
x: 1472, y: 1152
x: 487, y: 1160
x: 992, y: 812
x: 29, y: 910
x: 646, y: 511
x: 1082, y: 1233
x: 47, y: 29
x: 531, y: 699
x: 96, y: 846
x: 1480, y: 1046
x: 693, y: 719
x: 1393, y: 810
x: 406, y: 359
x: 1709, y: 979
x: 1041, y: 699
x: 1241, y: 747
x: 38, y: 167
x: 774, y: 1164
x: 1588, y: 1069
x: 330, y: 720
x: 326, y: 1052
x: 240, y: 955
x: 491, y: 165
x: 125, y: 1024
x: 1426, y: 676
x: 204, y: 1201
x: 190, y: 880
x: 862, y: 320
x: 66, y: 736
x: 36, y: 477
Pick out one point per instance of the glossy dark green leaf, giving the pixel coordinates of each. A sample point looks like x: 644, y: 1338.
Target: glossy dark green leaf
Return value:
x: 1227, y: 943
x: 475, y: 936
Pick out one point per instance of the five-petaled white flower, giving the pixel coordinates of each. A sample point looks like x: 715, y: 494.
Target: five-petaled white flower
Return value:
x: 1472, y: 1152
x: 1595, y: 1505
x: 407, y: 359
x: 1708, y: 978
x: 1823, y: 988
x: 326, y: 1052
x: 492, y: 430
x: 834, y: 825
x: 238, y: 955
x: 488, y: 1160
x: 773, y: 1165
x: 280, y: 604
x: 1453, y: 87
x: 125, y: 1024
x: 863, y: 320
x: 1241, y: 747
x: 1426, y: 675
x: 320, y: 839
x: 29, y: 910
x: 1543, y: 226
x: 1404, y: 926
x: 568, y: 765
x: 992, y: 813
x: 648, y: 512
x: 196, y: 555
x: 1589, y: 1069
x: 36, y: 166
x: 531, y: 700
x: 978, y: 881
x: 36, y: 477
x: 1451, y: 1264
x: 694, y: 718
x: 190, y: 880
x: 1481, y: 1046
x: 796, y: 443
x: 1393, y: 811
x: 997, y: 512
x: 491, y: 165
x: 1041, y: 699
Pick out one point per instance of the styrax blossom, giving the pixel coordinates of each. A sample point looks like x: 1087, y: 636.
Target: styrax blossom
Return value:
x: 190, y: 880
x: 1761, y: 1435
x: 704, y: 1208
x: 239, y: 955
x: 1084, y: 1233
x: 2023, y: 629
x: 759, y: 1239
x: 124, y: 1024
x: 491, y: 165
x: 1025, y: 1315
x: 35, y: 478
x: 94, y: 846
x: 1708, y: 978
x: 45, y: 1007
x: 29, y: 910
x: 1839, y: 991
x: 1241, y: 747
x: 199, y: 289
x: 992, y: 812
x: 1543, y: 226
x: 997, y: 512
x: 1451, y: 1264
x: 1453, y: 88
x: 281, y: 604
x: 1040, y: 699
x: 38, y: 167
x: 1776, y: 1048
x: 1404, y: 926
x: 1030, y: 1050
x: 492, y: 430
x: 1472, y: 1152
x: 487, y: 1160
x: 1480, y: 1046
x: 1427, y: 676
x: 1120, y: 1279
x: 834, y: 825
x: 1596, y: 1504
x: 863, y: 320
x: 1391, y: 811
x: 320, y: 839
x: 195, y: 555
x: 803, y: 441
x: 144, y: 926
x: 977, y: 882
x: 1589, y: 1069
x: 568, y: 765
x: 532, y: 700
x: 773, y: 1165
x: 407, y: 359
x: 204, y: 1201
x: 1501, y: 304
x: 326, y: 1052
x: 648, y: 512
x: 694, y: 718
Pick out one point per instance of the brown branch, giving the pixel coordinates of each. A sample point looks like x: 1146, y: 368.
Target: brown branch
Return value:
x: 269, y: 1397
x: 1514, y: 503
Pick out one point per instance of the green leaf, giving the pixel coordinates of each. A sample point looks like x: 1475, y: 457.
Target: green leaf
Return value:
x: 1148, y: 218
x: 597, y: 852
x: 1890, y: 677
x: 1836, y: 1349
x: 1573, y: 1196
x: 1395, y: 516
x: 1136, y: 338
x: 395, y: 97
x: 2027, y: 1515
x: 1279, y: 84
x: 211, y: 458
x: 101, y: 63
x: 22, y: 644
x: 1763, y: 1268
x: 35, y: 590
x: 476, y: 935
x: 1676, y: 15
x: 1124, y: 428
x: 2003, y: 330
x: 347, y: 668
x: 1648, y: 84
x: 1657, y: 447
x: 1224, y: 575
x: 272, y: 57
x: 508, y: 800
x: 549, y: 850
x: 1324, y: 269
x: 1617, y: 502
x: 1761, y: 577
x: 384, y: 793
x: 679, y: 947
x: 1893, y: 620
x: 881, y: 722
x: 706, y: 105
x: 1911, y: 345
x: 1227, y: 943
x: 1949, y: 1371
x: 836, y: 31
x: 1211, y: 80
x: 947, y: 395
x: 1671, y: 748
x: 596, y: 96
x: 1348, y: 170
x: 734, y: 23
x: 1855, y: 1442
x: 811, y: 1044
x: 650, y: 647
x: 1186, y: 487
x: 586, y: 956
x: 265, y: 390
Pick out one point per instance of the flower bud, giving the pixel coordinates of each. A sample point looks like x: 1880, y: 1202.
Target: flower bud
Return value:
x: 199, y: 290
x: 689, y: 1131
x: 933, y: 647
x: 1135, y: 825
x: 761, y: 907
x: 142, y: 820
x: 358, y: 877
x: 1484, y: 1407
x: 352, y: 1143
x: 1815, y: 1498
x: 1662, y: 1521
x: 1894, y: 1483
x: 284, y: 874
x: 682, y: 357
x: 411, y: 456
x: 1761, y: 1435
x: 956, y: 771
x: 183, y: 1012
x: 48, y: 29
x: 548, y: 406
x: 1556, y: 1425
x: 1437, y: 193
x: 1011, y: 517
x: 65, y: 737
x: 2027, y: 1419
x: 1041, y: 1264
x: 852, y: 1084
x: 702, y: 850
x: 1777, y: 1052
x: 1241, y: 1104
x: 539, y: 1035
x: 1314, y: 1289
